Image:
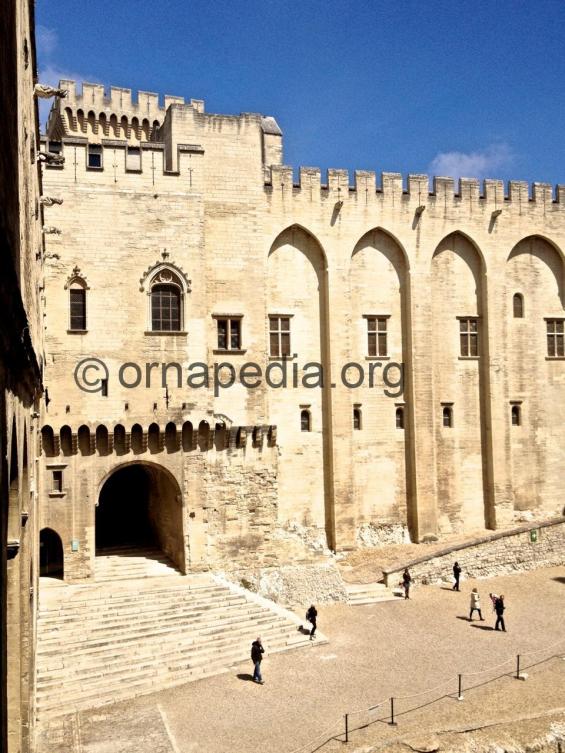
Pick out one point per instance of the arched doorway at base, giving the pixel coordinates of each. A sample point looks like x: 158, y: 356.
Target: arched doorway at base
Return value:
x: 139, y: 507
x: 51, y: 561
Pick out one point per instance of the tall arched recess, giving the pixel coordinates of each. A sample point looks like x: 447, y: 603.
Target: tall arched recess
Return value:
x: 297, y: 322
x: 534, y: 375
x: 378, y: 300
x: 459, y: 355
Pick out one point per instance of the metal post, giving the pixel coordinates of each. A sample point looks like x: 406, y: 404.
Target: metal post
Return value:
x: 392, y: 722
x: 460, y: 694
x: 518, y: 666
x: 347, y: 728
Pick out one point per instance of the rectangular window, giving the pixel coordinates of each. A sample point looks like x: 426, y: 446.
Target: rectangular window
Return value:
x: 469, y: 336
x: 57, y: 485
x: 133, y: 158
x: 555, y: 338
x: 77, y: 309
x: 377, y: 344
x: 279, y: 336
x: 94, y: 157
x: 229, y: 333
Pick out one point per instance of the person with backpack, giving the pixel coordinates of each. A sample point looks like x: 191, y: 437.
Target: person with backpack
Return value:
x: 456, y: 576
x: 311, y: 616
x: 257, y: 652
x: 499, y: 608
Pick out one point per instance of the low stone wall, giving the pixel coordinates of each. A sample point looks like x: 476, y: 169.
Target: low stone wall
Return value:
x: 294, y: 584
x: 540, y: 544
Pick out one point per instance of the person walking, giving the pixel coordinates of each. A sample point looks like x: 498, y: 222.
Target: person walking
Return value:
x: 311, y: 616
x: 406, y: 583
x: 475, y: 605
x: 456, y: 576
x: 499, y: 608
x: 257, y: 652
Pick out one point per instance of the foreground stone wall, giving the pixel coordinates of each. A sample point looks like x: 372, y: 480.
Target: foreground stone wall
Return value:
x: 294, y: 584
x: 21, y: 356
x: 525, y: 548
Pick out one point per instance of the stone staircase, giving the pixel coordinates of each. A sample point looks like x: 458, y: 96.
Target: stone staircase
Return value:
x: 125, y: 563
x: 106, y: 642
x: 368, y: 593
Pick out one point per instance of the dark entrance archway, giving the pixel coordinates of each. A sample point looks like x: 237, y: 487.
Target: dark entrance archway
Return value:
x: 139, y: 506
x: 50, y: 554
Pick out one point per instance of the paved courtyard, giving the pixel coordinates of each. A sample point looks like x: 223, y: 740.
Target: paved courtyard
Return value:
x: 390, y: 649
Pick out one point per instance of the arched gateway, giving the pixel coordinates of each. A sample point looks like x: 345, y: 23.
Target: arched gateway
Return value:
x: 140, y: 505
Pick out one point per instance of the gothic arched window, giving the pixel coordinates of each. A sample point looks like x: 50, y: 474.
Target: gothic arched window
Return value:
x: 77, y: 286
x: 166, y: 302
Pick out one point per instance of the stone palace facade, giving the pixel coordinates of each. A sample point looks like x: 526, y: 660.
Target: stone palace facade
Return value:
x: 421, y: 332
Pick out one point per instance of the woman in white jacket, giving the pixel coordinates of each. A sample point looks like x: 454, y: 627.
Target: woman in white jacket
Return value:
x: 475, y: 605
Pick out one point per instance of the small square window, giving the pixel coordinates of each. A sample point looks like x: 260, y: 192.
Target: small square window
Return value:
x: 357, y: 419
x: 57, y: 481
x: 133, y: 158
x: 447, y: 416
x: 94, y: 157
x: 229, y: 333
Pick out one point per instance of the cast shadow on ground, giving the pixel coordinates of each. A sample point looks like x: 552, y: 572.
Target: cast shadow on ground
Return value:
x: 482, y: 627
x: 304, y: 630
x: 559, y: 579
x: 245, y: 676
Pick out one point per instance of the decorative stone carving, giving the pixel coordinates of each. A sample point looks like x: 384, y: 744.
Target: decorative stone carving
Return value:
x: 164, y: 272
x: 44, y: 91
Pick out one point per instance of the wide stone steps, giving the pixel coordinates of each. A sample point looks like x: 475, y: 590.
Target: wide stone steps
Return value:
x: 173, y: 656
x: 127, y: 563
x: 128, y: 643
x: 68, y: 622
x: 104, y: 642
x: 359, y: 594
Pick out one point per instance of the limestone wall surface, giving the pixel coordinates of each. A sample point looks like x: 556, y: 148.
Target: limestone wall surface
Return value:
x: 526, y: 548
x: 243, y: 239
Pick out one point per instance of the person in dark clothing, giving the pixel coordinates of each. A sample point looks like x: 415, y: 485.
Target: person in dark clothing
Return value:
x: 257, y: 652
x: 311, y: 616
x: 499, y: 608
x: 456, y: 575
x: 406, y: 582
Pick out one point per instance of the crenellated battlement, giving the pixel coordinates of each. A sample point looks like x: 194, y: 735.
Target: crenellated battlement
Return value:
x: 416, y: 188
x: 92, y: 113
x: 120, y: 100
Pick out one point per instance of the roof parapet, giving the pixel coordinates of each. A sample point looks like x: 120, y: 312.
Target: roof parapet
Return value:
x: 490, y: 191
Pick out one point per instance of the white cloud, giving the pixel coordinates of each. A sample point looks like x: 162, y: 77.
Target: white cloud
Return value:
x: 480, y: 164
x: 46, y: 40
x: 51, y: 74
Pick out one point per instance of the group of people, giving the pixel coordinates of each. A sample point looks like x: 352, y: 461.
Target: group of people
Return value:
x: 498, y: 606
x: 257, y: 649
x: 497, y: 601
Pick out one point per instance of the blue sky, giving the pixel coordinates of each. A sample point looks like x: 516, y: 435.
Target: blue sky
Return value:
x: 450, y: 88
